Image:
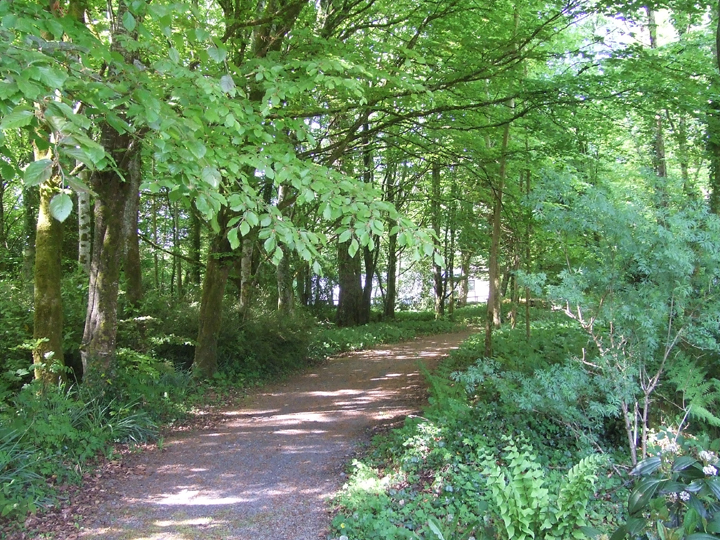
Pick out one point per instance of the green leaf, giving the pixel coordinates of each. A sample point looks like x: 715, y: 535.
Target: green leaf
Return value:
x: 641, y: 495
x: 681, y: 463
x: 233, y: 238
x: 17, y: 119
x: 211, y: 176
x: 227, y: 84
x: 196, y: 148
x: 252, y: 218
x: 8, y: 171
x: 52, y: 77
x: 218, y: 55
x: 270, y: 244
x: 129, y: 21
x: 37, y: 172
x: 352, y: 249
x: 702, y: 536
x: 432, y: 523
x: 345, y: 236
x: 647, y: 466
x: 244, y: 228
x: 60, y: 206
x: 174, y: 55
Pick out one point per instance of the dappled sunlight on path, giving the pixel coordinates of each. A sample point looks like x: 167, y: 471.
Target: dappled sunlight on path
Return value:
x: 268, y: 470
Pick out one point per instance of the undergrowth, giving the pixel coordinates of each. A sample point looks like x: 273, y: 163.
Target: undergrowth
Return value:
x: 482, y: 463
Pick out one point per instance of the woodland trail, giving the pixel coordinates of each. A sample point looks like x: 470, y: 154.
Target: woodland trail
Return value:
x: 267, y: 472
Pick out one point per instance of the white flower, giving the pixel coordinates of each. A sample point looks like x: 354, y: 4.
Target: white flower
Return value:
x: 709, y: 470
x: 672, y: 497
x: 707, y: 457
x: 685, y: 496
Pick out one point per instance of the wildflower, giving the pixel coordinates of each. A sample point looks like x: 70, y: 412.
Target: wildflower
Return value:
x: 672, y: 497
x: 685, y: 496
x: 709, y: 470
x: 707, y: 457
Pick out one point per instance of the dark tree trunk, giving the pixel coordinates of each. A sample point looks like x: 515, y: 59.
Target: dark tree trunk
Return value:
x: 350, y: 299
x: 370, y: 260
x: 216, y: 274
x: 195, y: 241
x: 48, y: 313
x: 98, y: 350
x: 132, y: 266
x: 391, y: 286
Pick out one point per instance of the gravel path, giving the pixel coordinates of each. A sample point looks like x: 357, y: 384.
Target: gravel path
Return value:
x: 266, y: 472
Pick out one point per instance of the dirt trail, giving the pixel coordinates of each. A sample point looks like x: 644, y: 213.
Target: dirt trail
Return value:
x: 267, y: 472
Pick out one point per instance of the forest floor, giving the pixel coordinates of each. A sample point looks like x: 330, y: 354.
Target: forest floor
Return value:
x: 261, y: 469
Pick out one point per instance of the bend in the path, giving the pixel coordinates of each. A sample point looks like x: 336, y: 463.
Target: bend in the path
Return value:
x: 268, y: 471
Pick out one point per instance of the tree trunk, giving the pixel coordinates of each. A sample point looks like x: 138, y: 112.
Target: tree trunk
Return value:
x: 350, y: 299
x: 463, y: 285
x: 713, y: 127
x: 246, y: 274
x: 436, y: 218
x: 132, y: 266
x: 216, y: 274
x: 98, y: 351
x: 494, y: 306
x: 31, y: 202
x: 177, y: 261
x: 48, y: 313
x: 391, y: 286
x: 84, y: 226
x: 195, y: 241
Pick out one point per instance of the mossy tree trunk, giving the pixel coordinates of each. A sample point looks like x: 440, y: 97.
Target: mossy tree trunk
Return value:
x: 216, y: 275
x: 48, y: 314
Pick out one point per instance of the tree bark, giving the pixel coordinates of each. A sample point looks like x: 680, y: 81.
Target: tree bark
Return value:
x: 132, y: 265
x: 195, y: 241
x: 216, y: 274
x: 84, y: 227
x: 48, y: 313
x: 463, y: 285
x: 246, y: 275
x: 31, y: 203
x: 350, y: 298
x: 98, y: 351
x: 494, y: 306
x: 436, y: 218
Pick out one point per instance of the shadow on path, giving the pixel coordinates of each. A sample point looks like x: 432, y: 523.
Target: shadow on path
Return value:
x: 267, y: 472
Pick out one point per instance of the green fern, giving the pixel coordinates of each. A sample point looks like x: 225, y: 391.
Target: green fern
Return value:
x: 521, y: 495
x: 700, y: 395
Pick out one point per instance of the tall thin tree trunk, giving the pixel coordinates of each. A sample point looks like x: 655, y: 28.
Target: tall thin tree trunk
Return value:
x: 195, y: 241
x: 659, y: 161
x: 84, y: 226
x: 177, y: 261
x: 156, y: 262
x: 494, y: 314
x: 132, y: 265
x: 435, y: 208
x: 463, y: 285
x: 48, y: 313
x: 391, y: 189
